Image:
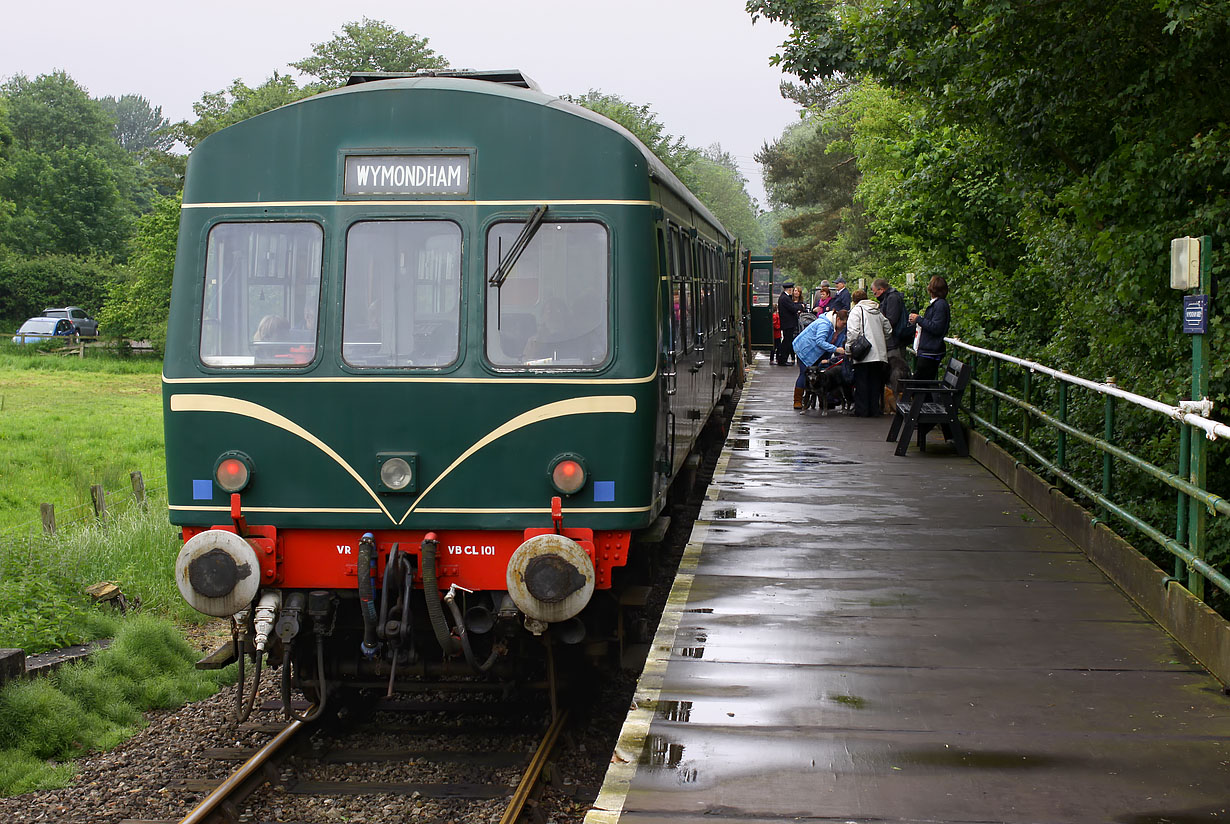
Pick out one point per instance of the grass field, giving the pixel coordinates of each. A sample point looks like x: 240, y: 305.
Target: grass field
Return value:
x: 67, y: 423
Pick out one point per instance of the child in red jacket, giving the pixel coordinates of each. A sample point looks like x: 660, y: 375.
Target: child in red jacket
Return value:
x: 777, y: 336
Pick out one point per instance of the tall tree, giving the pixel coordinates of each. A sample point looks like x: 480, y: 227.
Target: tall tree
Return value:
x: 723, y: 188
x: 138, y: 126
x: 368, y: 46
x: 644, y: 123
x: 139, y: 299
x: 217, y: 110
x: 73, y: 188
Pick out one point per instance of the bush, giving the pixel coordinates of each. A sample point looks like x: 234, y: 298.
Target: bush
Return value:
x: 28, y: 285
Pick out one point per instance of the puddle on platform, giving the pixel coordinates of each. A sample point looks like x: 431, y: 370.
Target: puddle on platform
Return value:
x: 697, y: 651
x: 680, y: 711
x: 667, y: 755
x: 787, y: 452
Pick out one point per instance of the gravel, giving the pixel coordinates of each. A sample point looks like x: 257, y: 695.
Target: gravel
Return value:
x: 142, y: 778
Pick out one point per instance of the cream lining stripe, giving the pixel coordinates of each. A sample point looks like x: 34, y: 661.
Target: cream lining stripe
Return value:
x: 394, y: 379
x: 594, y: 404
x: 433, y: 203
x: 424, y: 510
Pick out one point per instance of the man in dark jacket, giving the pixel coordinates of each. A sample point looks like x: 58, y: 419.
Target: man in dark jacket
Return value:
x: 841, y: 298
x: 892, y: 306
x: 788, y: 311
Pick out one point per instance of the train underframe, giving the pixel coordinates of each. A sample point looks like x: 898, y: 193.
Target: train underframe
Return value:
x: 326, y: 609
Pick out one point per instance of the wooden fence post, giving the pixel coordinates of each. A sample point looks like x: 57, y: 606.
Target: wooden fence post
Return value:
x: 100, y: 501
x: 138, y: 487
x: 48, y: 511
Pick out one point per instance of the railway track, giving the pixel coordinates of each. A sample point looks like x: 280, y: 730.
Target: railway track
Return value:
x: 459, y: 760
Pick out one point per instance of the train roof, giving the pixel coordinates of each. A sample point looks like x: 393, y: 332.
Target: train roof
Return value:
x: 513, y: 84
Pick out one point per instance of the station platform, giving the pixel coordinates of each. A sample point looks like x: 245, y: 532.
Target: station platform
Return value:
x: 854, y: 636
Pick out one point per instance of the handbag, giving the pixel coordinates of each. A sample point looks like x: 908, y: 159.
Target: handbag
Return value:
x: 858, y: 347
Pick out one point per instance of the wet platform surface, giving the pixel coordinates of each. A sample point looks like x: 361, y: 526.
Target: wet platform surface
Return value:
x: 859, y: 637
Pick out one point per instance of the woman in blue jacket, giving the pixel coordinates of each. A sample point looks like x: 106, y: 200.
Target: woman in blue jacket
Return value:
x: 821, y: 339
x: 932, y: 329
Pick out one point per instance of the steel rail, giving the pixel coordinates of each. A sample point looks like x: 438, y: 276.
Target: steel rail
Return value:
x: 530, y: 778
x: 1212, y: 429
x: 258, y: 760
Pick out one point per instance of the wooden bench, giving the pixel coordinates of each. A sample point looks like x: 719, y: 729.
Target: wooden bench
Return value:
x: 924, y: 404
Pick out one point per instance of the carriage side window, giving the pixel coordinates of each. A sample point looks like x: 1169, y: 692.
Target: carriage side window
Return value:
x: 262, y: 294
x: 553, y: 308
x: 402, y: 297
x: 679, y: 275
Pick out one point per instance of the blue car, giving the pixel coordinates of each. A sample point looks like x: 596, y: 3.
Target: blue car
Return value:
x: 40, y: 329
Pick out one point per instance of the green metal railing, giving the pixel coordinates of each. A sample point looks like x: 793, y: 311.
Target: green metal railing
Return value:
x: 1189, y: 543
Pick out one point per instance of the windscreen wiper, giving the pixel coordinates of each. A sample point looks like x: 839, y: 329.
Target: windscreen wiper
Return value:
x: 523, y: 240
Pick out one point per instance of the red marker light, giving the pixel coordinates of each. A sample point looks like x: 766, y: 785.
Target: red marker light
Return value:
x: 568, y: 476
x: 231, y: 474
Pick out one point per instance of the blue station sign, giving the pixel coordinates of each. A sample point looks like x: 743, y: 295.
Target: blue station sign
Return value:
x: 1195, y: 314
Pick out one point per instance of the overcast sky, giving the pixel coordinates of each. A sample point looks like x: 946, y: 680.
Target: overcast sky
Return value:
x: 701, y: 65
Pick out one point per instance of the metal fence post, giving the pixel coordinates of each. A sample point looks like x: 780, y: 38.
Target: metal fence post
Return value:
x: 1108, y: 434
x: 1026, y: 418
x: 995, y: 398
x: 1061, y: 448
x: 1199, y: 470
x: 1180, y: 527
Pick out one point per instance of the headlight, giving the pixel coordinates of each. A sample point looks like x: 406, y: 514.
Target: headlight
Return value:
x: 396, y: 471
x: 396, y: 474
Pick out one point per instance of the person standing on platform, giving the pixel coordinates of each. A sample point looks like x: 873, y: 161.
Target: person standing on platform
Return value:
x: 777, y: 336
x: 816, y: 343
x: 788, y: 310
x: 866, y: 320
x: 841, y: 298
x: 931, y: 330
x: 892, y: 307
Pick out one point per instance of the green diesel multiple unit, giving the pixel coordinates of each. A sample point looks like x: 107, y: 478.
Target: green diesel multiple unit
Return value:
x: 438, y: 347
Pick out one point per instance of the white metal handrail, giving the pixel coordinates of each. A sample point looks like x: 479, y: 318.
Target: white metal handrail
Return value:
x: 1183, y: 413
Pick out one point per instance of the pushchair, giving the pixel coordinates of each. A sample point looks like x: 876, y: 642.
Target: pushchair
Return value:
x: 824, y: 384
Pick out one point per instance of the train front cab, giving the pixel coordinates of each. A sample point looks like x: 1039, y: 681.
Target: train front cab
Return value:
x: 402, y: 408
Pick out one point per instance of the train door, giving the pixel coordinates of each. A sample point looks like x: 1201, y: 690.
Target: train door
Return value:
x: 764, y: 291
x: 668, y: 374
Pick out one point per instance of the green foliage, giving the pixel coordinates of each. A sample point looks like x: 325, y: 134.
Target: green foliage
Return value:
x: 138, y: 126
x: 68, y: 201
x: 1043, y: 172
x: 722, y: 188
x: 44, y: 611
x: 368, y: 46
x: 30, y: 285
x: 73, y: 188
x: 644, y: 124
x: 94, y: 705
x: 139, y: 300
x: 217, y: 110
x: 52, y: 112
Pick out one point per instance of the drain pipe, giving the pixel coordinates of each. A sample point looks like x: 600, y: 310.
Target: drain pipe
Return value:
x: 431, y: 594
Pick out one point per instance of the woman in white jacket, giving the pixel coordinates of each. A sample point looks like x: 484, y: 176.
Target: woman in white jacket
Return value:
x: 865, y: 319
